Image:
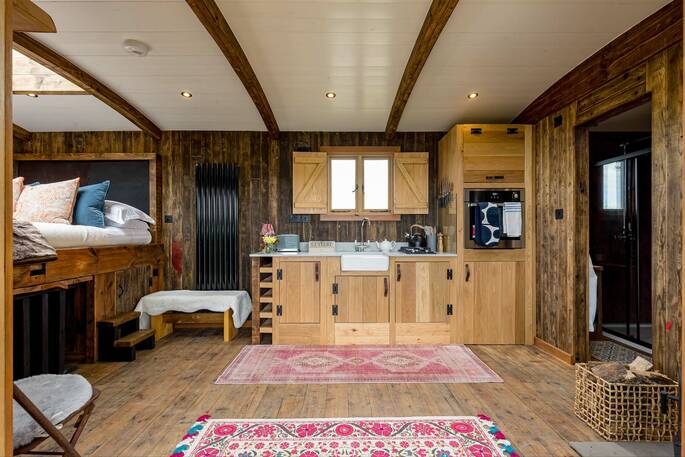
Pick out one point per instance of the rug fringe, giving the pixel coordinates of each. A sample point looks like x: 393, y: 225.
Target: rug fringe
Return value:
x: 190, y: 435
x: 497, y: 435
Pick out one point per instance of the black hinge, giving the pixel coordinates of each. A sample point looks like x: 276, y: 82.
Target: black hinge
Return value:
x: 279, y: 310
x: 449, y: 274
x: 335, y: 310
x: 450, y: 311
x: 335, y: 288
x: 279, y: 274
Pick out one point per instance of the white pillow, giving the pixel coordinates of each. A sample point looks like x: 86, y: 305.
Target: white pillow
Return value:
x: 132, y: 224
x: 121, y: 213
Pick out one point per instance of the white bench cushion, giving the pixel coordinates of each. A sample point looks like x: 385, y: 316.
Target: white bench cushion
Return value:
x: 191, y: 301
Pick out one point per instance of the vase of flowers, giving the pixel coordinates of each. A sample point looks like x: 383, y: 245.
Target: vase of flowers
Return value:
x: 269, y: 238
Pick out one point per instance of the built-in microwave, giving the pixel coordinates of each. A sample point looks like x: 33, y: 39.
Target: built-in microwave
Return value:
x: 498, y: 197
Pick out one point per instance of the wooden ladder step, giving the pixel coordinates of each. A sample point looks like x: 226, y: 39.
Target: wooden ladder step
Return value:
x: 134, y: 338
x: 120, y: 319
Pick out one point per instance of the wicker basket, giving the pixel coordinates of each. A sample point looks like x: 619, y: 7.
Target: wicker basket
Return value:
x: 624, y: 412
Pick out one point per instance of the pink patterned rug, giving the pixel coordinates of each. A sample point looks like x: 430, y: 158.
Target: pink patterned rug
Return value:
x: 380, y: 437
x: 281, y: 364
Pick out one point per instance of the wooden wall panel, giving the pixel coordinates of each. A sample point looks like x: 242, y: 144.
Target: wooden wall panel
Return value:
x: 555, y: 147
x: 265, y: 183
x: 561, y: 177
x: 265, y: 189
x: 664, y: 81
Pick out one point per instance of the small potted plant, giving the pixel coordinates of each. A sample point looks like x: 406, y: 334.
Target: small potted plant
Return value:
x: 269, y: 238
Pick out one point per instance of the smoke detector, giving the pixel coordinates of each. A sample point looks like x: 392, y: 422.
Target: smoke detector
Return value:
x: 136, y: 48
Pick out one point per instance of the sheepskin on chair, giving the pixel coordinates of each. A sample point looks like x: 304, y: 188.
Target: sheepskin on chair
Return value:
x: 57, y: 396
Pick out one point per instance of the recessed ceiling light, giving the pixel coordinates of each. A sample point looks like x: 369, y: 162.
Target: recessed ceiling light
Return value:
x: 472, y: 95
x: 32, y: 95
x: 330, y: 94
x: 186, y: 94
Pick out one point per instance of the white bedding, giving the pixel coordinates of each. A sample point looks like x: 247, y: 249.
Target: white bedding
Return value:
x: 77, y: 236
x: 190, y: 301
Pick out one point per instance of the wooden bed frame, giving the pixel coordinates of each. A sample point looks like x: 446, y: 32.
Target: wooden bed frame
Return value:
x: 110, y: 273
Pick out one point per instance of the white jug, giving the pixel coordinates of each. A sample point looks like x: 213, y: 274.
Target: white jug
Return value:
x: 385, y: 246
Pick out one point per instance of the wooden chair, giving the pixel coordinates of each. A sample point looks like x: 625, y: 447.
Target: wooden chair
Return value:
x: 67, y: 445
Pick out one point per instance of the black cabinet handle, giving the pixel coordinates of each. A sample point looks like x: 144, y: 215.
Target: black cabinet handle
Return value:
x: 316, y: 272
x: 385, y: 287
x: 399, y: 272
x: 468, y: 272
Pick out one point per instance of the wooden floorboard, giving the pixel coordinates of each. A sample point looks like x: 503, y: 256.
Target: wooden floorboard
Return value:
x: 148, y: 404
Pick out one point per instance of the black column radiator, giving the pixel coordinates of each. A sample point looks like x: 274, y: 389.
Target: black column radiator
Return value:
x: 217, y: 266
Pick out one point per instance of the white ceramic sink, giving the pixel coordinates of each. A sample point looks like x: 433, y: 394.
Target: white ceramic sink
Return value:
x: 364, y: 262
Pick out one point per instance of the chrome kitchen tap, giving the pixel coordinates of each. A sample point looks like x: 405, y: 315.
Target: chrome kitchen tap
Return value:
x: 362, y: 245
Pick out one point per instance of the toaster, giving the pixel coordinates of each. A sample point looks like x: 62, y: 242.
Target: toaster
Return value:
x: 288, y: 243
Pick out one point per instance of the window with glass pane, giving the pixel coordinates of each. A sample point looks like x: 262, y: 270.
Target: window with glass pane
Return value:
x: 376, y: 184
x: 612, y: 185
x: 343, y: 184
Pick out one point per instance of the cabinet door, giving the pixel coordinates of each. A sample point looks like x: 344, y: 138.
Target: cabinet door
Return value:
x: 310, y: 183
x: 410, y: 182
x: 492, y: 311
x: 363, y: 299
x: 493, y: 154
x: 299, y: 292
x: 422, y: 292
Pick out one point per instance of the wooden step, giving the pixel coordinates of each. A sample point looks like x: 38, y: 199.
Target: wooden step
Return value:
x: 120, y: 319
x: 134, y: 338
x: 266, y: 327
x: 266, y: 270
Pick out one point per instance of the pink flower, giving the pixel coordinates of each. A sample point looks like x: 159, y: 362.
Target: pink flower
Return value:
x: 224, y: 430
x: 381, y: 429
x: 309, y: 454
x: 379, y: 454
x: 267, y: 230
x: 379, y: 444
x: 344, y: 429
x: 305, y: 430
x: 423, y: 429
x: 478, y: 450
x: 264, y: 431
x: 208, y: 452
x: 461, y: 427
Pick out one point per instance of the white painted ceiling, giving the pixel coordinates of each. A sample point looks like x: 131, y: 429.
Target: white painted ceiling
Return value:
x: 509, y: 51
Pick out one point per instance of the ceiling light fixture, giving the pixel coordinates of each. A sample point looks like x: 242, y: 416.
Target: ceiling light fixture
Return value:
x: 472, y: 95
x: 32, y: 95
x: 186, y: 94
x: 330, y: 94
x: 136, y: 48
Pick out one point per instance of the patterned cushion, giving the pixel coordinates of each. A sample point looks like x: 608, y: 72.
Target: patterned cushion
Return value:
x: 17, y: 187
x: 52, y: 202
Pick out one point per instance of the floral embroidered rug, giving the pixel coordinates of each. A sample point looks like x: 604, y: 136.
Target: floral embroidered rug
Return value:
x: 282, y: 364
x: 467, y: 436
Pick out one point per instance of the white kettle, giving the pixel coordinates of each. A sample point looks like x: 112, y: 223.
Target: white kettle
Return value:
x: 385, y: 246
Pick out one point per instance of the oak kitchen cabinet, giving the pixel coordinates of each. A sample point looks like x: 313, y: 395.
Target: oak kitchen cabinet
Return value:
x: 361, y: 309
x: 424, y: 300
x: 491, y: 309
x: 298, y: 298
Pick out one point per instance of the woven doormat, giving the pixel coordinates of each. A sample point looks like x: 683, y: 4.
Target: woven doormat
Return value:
x: 608, y: 351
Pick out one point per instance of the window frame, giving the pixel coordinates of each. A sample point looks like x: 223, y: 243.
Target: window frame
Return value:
x: 359, y: 155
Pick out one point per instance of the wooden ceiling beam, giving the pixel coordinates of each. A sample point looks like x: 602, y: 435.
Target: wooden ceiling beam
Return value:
x: 29, y: 17
x: 214, y: 21
x: 436, y: 19
x: 21, y: 133
x: 65, y: 68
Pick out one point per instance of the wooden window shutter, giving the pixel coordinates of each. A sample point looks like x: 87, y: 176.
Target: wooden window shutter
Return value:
x: 410, y: 172
x: 310, y: 183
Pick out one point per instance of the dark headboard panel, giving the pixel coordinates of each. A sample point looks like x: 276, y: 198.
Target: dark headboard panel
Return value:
x: 129, y: 179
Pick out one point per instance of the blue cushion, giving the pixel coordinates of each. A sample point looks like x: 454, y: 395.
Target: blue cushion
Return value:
x: 90, y: 204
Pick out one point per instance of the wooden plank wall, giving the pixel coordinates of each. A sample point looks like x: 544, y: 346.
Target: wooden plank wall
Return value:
x: 265, y: 177
x: 561, y: 184
x: 265, y: 189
